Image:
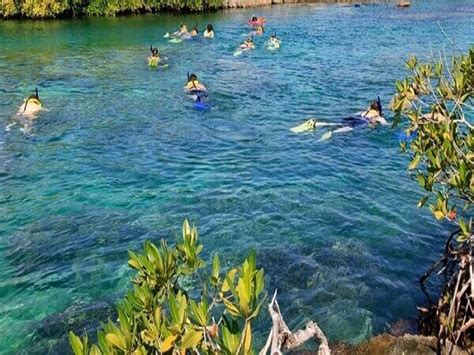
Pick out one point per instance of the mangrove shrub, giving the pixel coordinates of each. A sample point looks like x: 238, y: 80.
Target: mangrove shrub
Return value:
x: 435, y: 103
x: 176, y: 306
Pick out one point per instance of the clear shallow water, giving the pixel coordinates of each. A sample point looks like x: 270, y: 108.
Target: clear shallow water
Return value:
x: 122, y: 157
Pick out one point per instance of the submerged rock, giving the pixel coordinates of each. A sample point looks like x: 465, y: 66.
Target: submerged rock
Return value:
x: 51, y: 334
x: 387, y: 344
x: 390, y: 345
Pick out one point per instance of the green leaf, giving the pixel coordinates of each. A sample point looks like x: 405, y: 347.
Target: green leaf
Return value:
x: 230, y: 335
x: 191, y: 338
x: 414, y: 163
x: 215, y: 267
x: 244, y: 296
x: 228, y: 283
x: 199, y: 313
x: 186, y: 229
x: 173, y: 307
x: 102, y: 342
x: 423, y: 201
x: 231, y: 308
x: 257, y: 309
x: 464, y: 228
x: 248, y: 338
x: 167, y: 344
x: 183, y: 305
x: 76, y: 344
x: 421, y: 180
x: 133, y: 260
x: 259, y: 282
x: 252, y: 260
x: 116, y: 341
x: 95, y: 350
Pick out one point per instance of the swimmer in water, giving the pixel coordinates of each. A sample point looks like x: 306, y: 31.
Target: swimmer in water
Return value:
x: 209, y: 32
x: 194, y: 31
x: 259, y: 30
x: 273, y: 41
x: 31, y: 106
x: 193, y: 84
x: 372, y: 116
x: 183, y: 30
x: 248, y: 44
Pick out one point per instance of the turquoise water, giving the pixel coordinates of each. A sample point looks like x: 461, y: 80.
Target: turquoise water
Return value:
x: 121, y: 156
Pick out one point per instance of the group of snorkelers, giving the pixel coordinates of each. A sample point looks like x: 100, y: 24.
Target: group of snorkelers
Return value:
x: 198, y: 92
x: 258, y: 23
x: 183, y: 32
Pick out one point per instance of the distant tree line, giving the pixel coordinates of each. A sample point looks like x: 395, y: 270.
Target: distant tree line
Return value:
x: 76, y: 8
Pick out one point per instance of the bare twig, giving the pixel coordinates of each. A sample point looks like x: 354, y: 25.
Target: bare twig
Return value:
x: 469, y: 324
x: 268, y: 343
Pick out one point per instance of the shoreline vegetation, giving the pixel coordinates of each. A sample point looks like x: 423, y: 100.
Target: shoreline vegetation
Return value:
x: 62, y: 9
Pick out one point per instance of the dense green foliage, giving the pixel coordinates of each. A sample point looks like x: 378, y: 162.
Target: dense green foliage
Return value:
x: 164, y: 312
x: 68, y: 8
x: 436, y: 102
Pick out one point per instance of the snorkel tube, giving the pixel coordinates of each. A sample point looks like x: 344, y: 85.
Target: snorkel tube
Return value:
x: 379, y: 106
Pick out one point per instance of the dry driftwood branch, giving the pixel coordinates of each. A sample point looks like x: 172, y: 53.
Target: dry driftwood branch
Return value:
x: 281, y: 338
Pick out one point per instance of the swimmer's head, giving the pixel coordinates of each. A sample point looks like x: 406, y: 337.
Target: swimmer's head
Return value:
x: 375, y: 106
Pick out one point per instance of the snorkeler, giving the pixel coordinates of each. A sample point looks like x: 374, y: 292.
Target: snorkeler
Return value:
x: 182, y: 30
x: 154, y: 58
x: 175, y: 36
x: 209, y: 32
x: 372, y: 116
x: 248, y: 44
x: 273, y: 42
x: 259, y: 31
x: 260, y: 21
x: 194, y: 31
x: 31, y: 106
x: 193, y: 85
